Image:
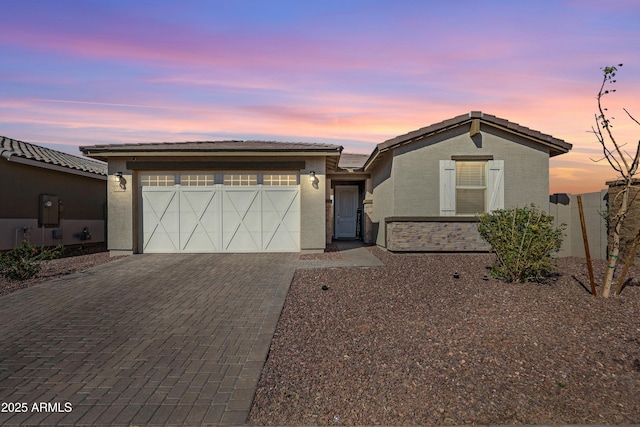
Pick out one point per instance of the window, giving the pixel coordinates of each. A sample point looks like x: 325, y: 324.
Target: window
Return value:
x: 280, y: 179
x: 196, y: 180
x: 240, y: 179
x: 471, y: 187
x: 153, y: 180
x: 210, y: 178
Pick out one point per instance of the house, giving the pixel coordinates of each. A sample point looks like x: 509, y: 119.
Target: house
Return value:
x: 416, y: 192
x: 49, y: 197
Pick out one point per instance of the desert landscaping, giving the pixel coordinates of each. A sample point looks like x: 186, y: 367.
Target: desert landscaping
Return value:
x: 409, y: 344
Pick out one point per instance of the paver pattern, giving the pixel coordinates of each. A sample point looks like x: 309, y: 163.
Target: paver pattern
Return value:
x: 146, y: 340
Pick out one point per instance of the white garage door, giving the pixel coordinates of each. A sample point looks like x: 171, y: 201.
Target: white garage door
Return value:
x: 241, y: 213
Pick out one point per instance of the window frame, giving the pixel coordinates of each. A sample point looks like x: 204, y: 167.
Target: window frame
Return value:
x: 483, y: 188
x: 280, y: 181
x: 495, y: 182
x: 238, y: 179
x: 212, y: 178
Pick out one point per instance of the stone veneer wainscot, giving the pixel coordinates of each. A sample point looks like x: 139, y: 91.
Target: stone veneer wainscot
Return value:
x: 434, y: 234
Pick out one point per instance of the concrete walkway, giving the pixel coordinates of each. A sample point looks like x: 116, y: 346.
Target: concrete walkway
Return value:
x: 352, y: 254
x: 146, y: 340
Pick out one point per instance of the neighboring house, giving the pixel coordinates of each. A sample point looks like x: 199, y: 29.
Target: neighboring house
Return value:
x: 415, y: 192
x: 48, y: 197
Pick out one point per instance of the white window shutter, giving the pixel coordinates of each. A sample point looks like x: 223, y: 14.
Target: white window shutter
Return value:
x: 495, y: 185
x: 447, y: 187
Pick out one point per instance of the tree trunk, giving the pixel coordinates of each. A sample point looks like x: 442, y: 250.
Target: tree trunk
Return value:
x: 615, y: 244
x: 612, y: 260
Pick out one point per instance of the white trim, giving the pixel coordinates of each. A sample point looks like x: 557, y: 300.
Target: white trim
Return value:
x: 447, y: 187
x: 495, y: 185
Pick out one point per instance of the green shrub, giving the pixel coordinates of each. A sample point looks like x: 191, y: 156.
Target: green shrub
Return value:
x: 24, y: 261
x: 523, y: 240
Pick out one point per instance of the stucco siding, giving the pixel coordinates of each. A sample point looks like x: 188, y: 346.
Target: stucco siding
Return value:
x: 383, y: 198
x: 526, y: 171
x: 120, y: 208
x: 313, y: 206
x: 82, y: 204
x: 21, y: 185
x: 416, y: 169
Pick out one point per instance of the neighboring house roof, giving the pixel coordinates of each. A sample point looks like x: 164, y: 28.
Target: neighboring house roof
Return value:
x: 556, y: 146
x: 35, y: 155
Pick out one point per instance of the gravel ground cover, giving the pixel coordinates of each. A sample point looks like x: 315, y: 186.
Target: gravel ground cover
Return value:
x: 408, y: 344
x: 77, y: 261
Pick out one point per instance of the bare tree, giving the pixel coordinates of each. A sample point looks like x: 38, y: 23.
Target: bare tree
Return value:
x: 624, y: 164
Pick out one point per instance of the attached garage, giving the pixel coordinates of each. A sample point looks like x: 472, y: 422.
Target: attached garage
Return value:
x: 217, y: 196
x: 222, y: 212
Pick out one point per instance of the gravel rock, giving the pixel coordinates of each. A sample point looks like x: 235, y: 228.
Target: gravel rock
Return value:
x: 408, y: 344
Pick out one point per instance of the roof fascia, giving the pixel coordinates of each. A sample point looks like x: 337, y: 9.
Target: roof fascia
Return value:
x: 100, y: 154
x: 559, y: 149
x: 57, y: 168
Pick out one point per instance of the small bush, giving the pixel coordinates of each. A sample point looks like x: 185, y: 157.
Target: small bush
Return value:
x: 523, y: 240
x: 24, y: 261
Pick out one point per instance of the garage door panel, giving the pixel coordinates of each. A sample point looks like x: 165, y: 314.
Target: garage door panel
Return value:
x: 280, y: 240
x: 199, y: 220
x: 241, y: 220
x: 281, y: 219
x: 160, y: 219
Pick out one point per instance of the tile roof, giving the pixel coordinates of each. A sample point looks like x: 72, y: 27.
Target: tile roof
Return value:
x: 212, y: 146
x: 11, y: 147
x: 556, y: 146
x: 352, y: 160
x: 557, y: 143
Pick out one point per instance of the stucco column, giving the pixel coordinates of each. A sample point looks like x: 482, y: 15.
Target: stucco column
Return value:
x: 120, y: 209
x: 313, y: 206
x: 329, y: 213
x: 367, y: 212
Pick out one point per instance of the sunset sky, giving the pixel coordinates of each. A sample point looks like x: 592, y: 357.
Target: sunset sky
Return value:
x: 349, y: 72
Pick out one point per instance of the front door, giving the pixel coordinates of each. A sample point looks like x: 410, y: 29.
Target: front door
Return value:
x: 346, y: 211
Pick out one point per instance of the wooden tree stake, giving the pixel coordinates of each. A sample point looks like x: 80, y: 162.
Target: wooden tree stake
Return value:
x: 586, y: 247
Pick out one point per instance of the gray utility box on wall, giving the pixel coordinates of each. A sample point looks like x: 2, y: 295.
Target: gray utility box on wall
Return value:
x: 49, y: 211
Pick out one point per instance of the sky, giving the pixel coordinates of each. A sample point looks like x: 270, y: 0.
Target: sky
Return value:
x: 348, y: 72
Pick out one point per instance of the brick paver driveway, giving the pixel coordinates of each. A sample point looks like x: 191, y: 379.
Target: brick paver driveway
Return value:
x: 145, y: 340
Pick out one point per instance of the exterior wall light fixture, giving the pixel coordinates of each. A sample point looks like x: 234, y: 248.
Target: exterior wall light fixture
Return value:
x: 313, y: 179
x: 121, y: 180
